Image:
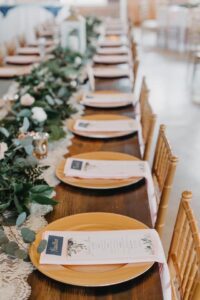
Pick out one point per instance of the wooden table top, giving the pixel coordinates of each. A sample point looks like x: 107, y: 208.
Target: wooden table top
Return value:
x: 131, y: 201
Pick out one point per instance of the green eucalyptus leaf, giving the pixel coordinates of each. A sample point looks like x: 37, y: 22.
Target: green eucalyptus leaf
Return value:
x: 24, y: 113
x: 31, y: 161
x: 42, y: 246
x: 4, y: 206
x: 16, y: 142
x: 50, y: 100
x: 3, y: 238
x: 27, y: 141
x: 56, y: 132
x: 25, y: 125
x: 41, y: 189
x: 42, y: 199
x: 4, y: 131
x: 18, y: 187
x: 29, y: 149
x: 21, y: 218
x: 58, y: 101
x: 28, y: 235
x: 21, y: 254
x: 10, y: 248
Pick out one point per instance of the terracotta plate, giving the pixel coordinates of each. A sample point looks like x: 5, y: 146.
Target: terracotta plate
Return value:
x: 103, y: 134
x: 97, y: 183
x: 101, y: 275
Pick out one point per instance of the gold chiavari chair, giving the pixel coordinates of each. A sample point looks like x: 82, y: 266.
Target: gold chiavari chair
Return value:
x: 184, y: 253
x: 148, y: 119
x: 11, y: 47
x: 163, y: 171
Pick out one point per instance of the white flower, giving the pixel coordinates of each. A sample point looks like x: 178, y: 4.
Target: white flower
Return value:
x: 27, y: 100
x: 78, y: 61
x: 73, y: 83
x: 3, y: 149
x: 38, y: 114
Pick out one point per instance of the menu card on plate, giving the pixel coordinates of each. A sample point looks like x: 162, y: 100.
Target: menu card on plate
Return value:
x: 104, y: 169
x: 102, y: 247
x: 106, y: 125
x: 107, y: 98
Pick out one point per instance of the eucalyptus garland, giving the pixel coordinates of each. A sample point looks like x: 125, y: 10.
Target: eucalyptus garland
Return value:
x: 41, y: 105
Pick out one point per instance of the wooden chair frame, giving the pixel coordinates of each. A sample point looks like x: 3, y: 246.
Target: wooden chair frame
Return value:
x: 163, y: 171
x: 148, y: 120
x: 184, y: 253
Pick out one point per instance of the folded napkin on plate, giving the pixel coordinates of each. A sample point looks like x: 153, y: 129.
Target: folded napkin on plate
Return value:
x: 104, y: 169
x: 102, y: 247
x: 107, y: 98
x: 106, y: 125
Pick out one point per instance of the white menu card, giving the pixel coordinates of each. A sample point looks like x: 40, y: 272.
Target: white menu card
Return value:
x: 102, y: 247
x: 106, y: 125
x: 104, y: 169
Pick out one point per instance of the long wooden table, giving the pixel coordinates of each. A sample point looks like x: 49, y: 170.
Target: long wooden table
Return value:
x: 131, y: 201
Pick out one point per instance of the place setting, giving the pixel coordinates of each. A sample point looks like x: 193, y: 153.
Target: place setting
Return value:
x: 22, y: 59
x: 9, y: 72
x: 101, y: 170
x: 103, y: 126
x: 33, y: 50
x: 113, y: 50
x: 107, y: 99
x: 109, y: 248
x: 113, y: 41
x: 111, y: 59
x: 111, y: 72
